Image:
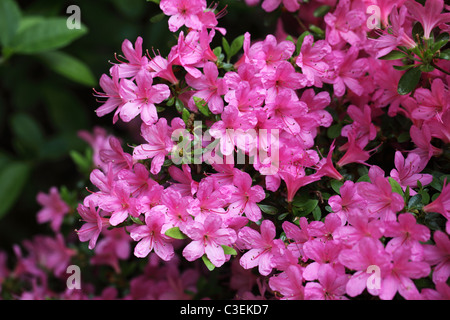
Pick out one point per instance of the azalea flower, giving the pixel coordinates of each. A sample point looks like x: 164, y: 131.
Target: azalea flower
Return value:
x: 429, y: 15
x: 208, y: 238
x: 54, y: 208
x: 150, y: 236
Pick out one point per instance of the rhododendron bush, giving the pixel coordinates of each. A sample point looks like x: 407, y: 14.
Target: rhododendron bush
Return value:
x: 311, y: 163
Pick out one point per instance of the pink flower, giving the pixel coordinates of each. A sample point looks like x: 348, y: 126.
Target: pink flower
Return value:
x: 119, y: 203
x: 407, y: 171
x: 158, y: 145
x: 438, y: 255
x: 208, y: 87
x: 343, y: 24
x: 246, y: 197
x: 432, y: 103
x: 299, y: 234
x: 348, y: 71
x: 54, y: 208
x: 136, y: 62
x: 362, y: 126
x: 366, y: 253
x: 93, y: 226
x: 262, y: 247
x: 441, y: 204
x: 116, y: 156
x: 347, y: 202
x: 178, y: 209
x: 111, y: 87
x: 406, y: 233
x: 354, y: 153
x: 331, y: 285
x: 359, y: 226
x: 271, y: 5
x: 381, y: 200
x: 399, y: 275
x: 311, y: 60
x: 211, y: 199
x: 183, y: 12
x: 185, y: 184
x: 267, y: 55
x: 429, y: 15
x: 295, y: 178
x: 284, y: 109
x: 394, y: 35
x: 208, y: 238
x: 141, y: 97
x: 113, y: 247
x: 51, y: 253
x: 326, y: 167
x: 422, y: 139
x: 289, y: 284
x: 283, y: 77
x: 150, y: 236
x: 138, y: 179
x: 322, y: 253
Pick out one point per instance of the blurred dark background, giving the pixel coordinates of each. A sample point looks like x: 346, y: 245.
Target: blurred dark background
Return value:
x: 42, y: 107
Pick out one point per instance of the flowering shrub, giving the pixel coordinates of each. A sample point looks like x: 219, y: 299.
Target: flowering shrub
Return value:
x: 310, y: 164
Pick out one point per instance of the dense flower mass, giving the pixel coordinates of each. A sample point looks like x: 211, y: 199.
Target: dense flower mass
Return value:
x: 311, y: 161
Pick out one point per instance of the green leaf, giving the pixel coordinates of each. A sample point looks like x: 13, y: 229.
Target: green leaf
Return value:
x: 396, y: 186
x: 83, y: 162
x: 202, y: 106
x: 334, y: 131
x: 9, y: 21
x: 136, y: 220
x: 336, y: 185
x: 282, y: 216
x: 364, y: 178
x: 393, y: 55
x: 318, y: 31
x: 208, y: 263
x: 179, y: 105
x: 27, y: 132
x: 317, y: 213
x: 305, y: 208
x: 185, y: 115
x: 403, y: 68
x: 321, y: 11
x: 299, y: 43
x: 268, y: 209
x: 175, y: 233
x: 409, y: 81
x: 445, y: 54
x: 69, y: 67
x: 403, y: 137
x: 415, y: 201
x: 226, y: 46
x: 40, y: 35
x: 236, y: 45
x: 157, y: 17
x: 229, y: 250
x: 425, y: 197
x: 441, y: 40
x: 13, y: 177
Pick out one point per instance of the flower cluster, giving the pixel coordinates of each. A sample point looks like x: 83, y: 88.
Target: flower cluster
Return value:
x: 306, y: 225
